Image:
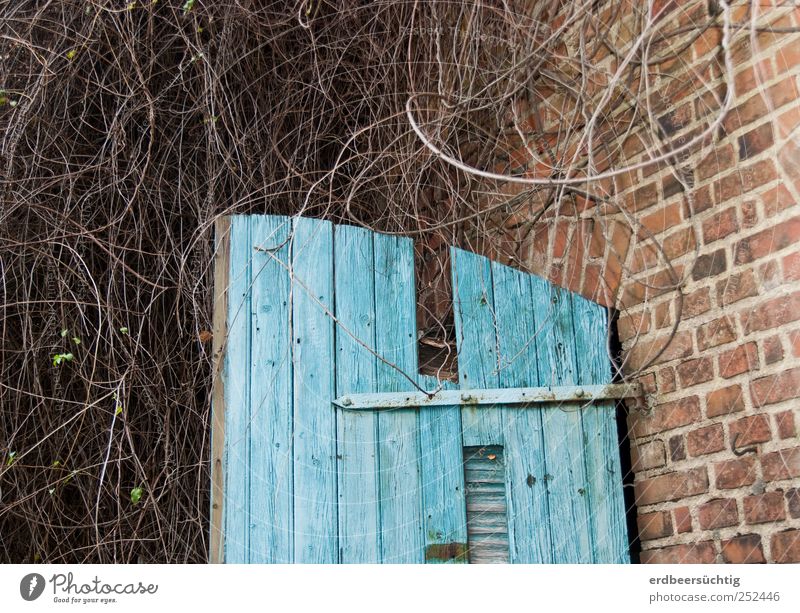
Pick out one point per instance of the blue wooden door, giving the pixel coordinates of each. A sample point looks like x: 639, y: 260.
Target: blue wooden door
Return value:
x: 307, y: 311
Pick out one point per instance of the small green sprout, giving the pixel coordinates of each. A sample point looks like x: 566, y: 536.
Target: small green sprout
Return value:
x: 119, y: 410
x: 62, y: 357
x: 56, y: 464
x: 64, y: 333
x: 123, y: 330
x: 188, y: 6
x: 136, y: 495
x: 12, y: 455
x: 76, y: 340
x: 71, y: 54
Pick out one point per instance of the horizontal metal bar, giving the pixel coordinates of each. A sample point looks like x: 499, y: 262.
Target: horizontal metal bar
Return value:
x: 518, y: 396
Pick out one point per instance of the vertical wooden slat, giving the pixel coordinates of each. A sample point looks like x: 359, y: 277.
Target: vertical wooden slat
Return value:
x: 398, y: 446
x: 603, y: 471
x: 359, y: 536
x: 222, y: 256
x: 442, y: 480
x: 529, y: 531
x: 237, y: 395
x: 270, y: 393
x: 477, y: 340
x: 314, y: 444
x: 563, y: 432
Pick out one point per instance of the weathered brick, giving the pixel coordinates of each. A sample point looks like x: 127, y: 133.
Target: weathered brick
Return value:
x: 725, y: 400
x: 719, y: 513
x: 677, y: 448
x: 663, y: 219
x: 709, y: 265
x: 783, y: 464
x: 693, y: 372
x: 715, y: 332
x: 654, y: 525
x: 743, y: 358
x: 767, y: 241
x: 645, y: 456
x: 702, y: 441
x: 679, y: 243
x: 631, y: 325
x: 785, y: 424
x: 682, y: 519
x: 775, y: 388
x: 662, y: 317
x: 791, y: 267
x: 776, y: 200
x: 642, y: 198
x: 750, y: 430
x: 773, y: 349
x: 667, y: 416
x: 763, y: 508
x: 671, y: 486
x: 667, y: 381
x: 737, y: 287
x: 793, y: 502
x: 679, y: 346
x: 755, y: 141
x: 786, y: 547
x: 745, y: 549
x: 773, y: 313
x: 746, y: 180
x: 719, y: 160
x: 696, y: 303
x: 735, y: 473
x: 720, y: 225
x: 695, y: 553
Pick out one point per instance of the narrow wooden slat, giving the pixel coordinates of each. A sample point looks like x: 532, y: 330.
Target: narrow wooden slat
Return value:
x: 314, y: 444
x: 222, y: 256
x: 237, y: 396
x: 359, y: 536
x: 475, y: 334
x: 271, y: 487
x: 563, y: 431
x: 442, y: 481
x: 487, y: 542
x: 398, y: 445
x: 603, y: 472
x: 524, y: 442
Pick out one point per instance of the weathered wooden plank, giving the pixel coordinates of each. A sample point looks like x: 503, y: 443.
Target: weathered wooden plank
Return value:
x: 398, y: 446
x: 603, y: 472
x: 487, y: 509
x: 529, y: 530
x: 359, y: 535
x: 477, y: 343
x: 315, y: 504
x: 440, y: 458
x: 271, y: 408
x: 563, y: 431
x: 237, y: 395
x: 222, y: 256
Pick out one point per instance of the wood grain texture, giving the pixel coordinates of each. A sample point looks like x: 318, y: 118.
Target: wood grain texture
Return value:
x: 401, y: 527
x: 603, y: 471
x: 473, y: 305
x: 271, y: 406
x: 487, y: 504
x: 529, y: 529
x: 359, y: 536
x: 222, y: 256
x: 563, y: 431
x: 315, y: 503
x: 237, y: 396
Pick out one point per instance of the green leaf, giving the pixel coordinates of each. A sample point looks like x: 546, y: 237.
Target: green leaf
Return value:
x: 188, y: 6
x: 64, y: 333
x: 119, y: 409
x: 62, y: 357
x: 76, y: 340
x: 11, y: 456
x: 123, y: 330
x: 136, y: 495
x: 56, y: 464
x: 71, y: 54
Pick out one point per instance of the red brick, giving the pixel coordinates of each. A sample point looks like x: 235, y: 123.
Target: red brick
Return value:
x: 645, y: 456
x: 663, y: 219
x: 750, y: 430
x: 683, y: 520
x: 642, y: 198
x: 763, y: 508
x: 666, y: 416
x: 785, y: 424
x: 773, y: 313
x: 775, y: 388
x: 773, y: 349
x: 662, y: 317
x: 737, y: 287
x: 755, y: 141
x: 716, y: 162
x: 702, y: 441
x: 786, y: 547
x: 693, y: 372
x: 696, y: 303
x: 767, y: 241
x: 719, y: 513
x: 628, y: 326
x: 743, y: 358
x: 709, y: 265
x: 725, y: 400
x: 793, y: 501
x: 735, y: 473
x: 679, y: 346
x: 769, y: 274
x: 679, y: 243
x: 667, y: 381
x: 783, y: 92
x: 776, y: 200
x: 749, y: 214
x: 695, y: 553
x: 720, y: 225
x: 791, y: 267
x: 671, y: 486
x: 746, y: 180
x: 745, y: 549
x: 715, y: 332
x: 654, y: 525
x: 677, y: 448
x: 783, y: 464
x: 749, y: 111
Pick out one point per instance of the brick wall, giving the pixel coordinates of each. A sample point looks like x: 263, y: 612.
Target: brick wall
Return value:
x: 710, y: 321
